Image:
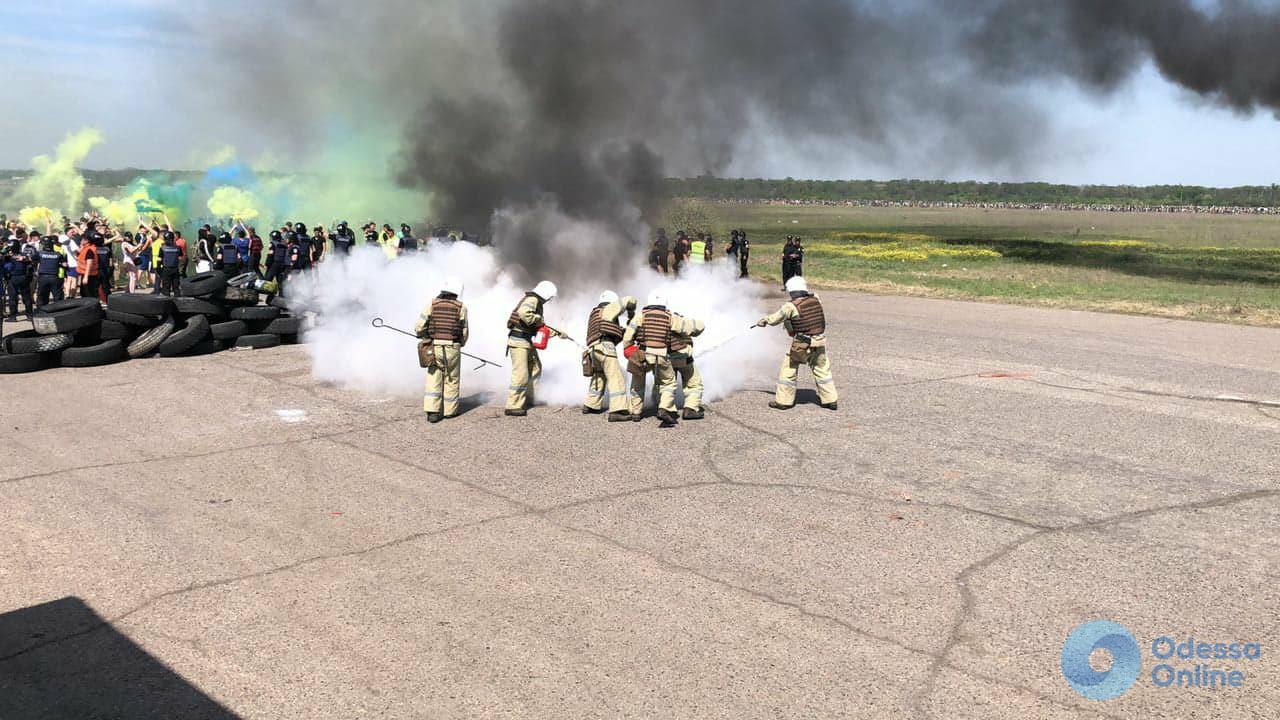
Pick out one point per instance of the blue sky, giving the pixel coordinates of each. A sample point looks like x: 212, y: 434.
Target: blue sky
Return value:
x: 72, y: 63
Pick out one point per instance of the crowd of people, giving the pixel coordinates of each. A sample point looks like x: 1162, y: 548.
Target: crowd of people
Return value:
x: 91, y: 257
x: 697, y: 249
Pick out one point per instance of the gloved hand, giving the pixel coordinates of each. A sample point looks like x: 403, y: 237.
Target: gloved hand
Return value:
x: 762, y: 323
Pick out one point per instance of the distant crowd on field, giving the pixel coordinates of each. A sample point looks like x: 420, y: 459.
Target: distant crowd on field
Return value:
x: 1068, y: 207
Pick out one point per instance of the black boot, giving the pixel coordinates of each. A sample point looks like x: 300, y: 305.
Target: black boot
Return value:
x: 591, y: 411
x: 623, y: 416
x: 830, y: 406
x: 434, y: 417
x: 515, y: 413
x: 777, y: 406
x: 668, y: 418
x: 690, y: 414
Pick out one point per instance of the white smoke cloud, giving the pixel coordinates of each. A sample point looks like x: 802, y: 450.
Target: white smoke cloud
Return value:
x: 349, y: 292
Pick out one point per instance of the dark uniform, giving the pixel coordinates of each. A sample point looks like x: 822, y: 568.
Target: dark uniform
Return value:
x: 170, y: 265
x: 49, y: 266
x: 344, y: 239
x: 408, y: 243
x: 661, y: 248
x: 229, y: 258
x: 18, y: 267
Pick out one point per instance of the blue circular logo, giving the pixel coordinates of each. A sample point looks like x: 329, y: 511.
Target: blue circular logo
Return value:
x: 1126, y: 662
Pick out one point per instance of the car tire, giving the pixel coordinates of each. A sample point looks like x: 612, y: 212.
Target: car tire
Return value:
x: 30, y: 341
x: 104, y: 353
x: 115, y: 330
x: 204, y: 285
x: 141, y: 303
x: 283, y: 325
x: 185, y: 338
x: 257, y: 312
x: 229, y: 330
x: 199, y: 306
x: 207, y: 346
x: 257, y: 342
x: 147, y: 342
x: 23, y: 363
x: 66, y: 316
x: 137, y: 321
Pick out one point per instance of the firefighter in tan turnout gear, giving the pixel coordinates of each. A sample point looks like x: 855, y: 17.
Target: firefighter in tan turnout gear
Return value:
x: 681, y: 356
x: 604, y: 332
x: 651, y: 333
x: 807, y: 325
x: 526, y: 368
x: 444, y: 324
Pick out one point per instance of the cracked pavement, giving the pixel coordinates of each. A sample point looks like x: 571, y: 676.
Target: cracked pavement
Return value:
x: 995, y: 476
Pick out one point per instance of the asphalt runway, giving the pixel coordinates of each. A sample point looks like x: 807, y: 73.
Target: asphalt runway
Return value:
x: 225, y: 537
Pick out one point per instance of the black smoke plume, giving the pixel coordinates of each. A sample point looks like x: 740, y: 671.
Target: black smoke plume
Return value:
x: 552, y: 122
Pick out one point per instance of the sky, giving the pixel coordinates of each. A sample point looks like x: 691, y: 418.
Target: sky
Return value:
x: 72, y: 63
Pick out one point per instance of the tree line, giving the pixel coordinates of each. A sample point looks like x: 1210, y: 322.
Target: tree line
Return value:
x: 713, y: 188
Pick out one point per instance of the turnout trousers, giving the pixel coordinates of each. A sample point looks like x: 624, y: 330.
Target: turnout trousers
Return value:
x: 690, y: 380
x: 820, y: 365
x: 664, y: 382
x: 526, y: 371
x: 444, y: 384
x: 607, y: 384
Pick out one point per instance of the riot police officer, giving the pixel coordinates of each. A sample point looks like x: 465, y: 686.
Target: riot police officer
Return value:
x: 49, y: 267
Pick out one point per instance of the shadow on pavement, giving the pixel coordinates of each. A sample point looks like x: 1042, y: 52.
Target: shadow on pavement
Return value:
x: 60, y: 660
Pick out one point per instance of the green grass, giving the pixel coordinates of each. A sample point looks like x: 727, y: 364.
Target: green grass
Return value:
x: 1220, y: 268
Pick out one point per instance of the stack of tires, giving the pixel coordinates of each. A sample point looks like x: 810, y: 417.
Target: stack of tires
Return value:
x: 207, y: 317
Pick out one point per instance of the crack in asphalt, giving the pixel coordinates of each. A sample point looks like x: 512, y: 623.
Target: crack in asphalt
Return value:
x: 220, y: 582
x: 968, y: 601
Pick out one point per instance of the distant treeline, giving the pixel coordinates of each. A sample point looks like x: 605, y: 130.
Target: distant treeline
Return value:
x: 937, y: 191
x: 891, y: 191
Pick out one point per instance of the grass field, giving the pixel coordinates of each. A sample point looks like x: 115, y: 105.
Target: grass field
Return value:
x: 1208, y: 267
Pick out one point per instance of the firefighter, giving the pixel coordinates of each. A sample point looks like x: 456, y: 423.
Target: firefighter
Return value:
x: 526, y: 368
x: 807, y: 326
x: 680, y: 353
x: 444, y: 324
x: 604, y: 332
x: 651, y: 333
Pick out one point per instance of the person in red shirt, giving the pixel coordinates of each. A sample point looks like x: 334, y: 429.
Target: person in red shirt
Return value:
x: 182, y: 245
x: 255, y: 252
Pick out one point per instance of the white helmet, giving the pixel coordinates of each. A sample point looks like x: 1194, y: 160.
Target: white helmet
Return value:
x: 657, y: 298
x: 451, y: 285
x: 545, y: 290
x: 797, y: 284
x: 608, y: 296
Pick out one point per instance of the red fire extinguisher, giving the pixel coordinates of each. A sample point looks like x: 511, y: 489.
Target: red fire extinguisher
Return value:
x: 541, y: 338
x: 628, y: 351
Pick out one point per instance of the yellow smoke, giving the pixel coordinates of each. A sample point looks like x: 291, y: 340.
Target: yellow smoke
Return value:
x: 118, y: 212
x: 34, y: 217
x: 232, y: 202
x: 57, y: 181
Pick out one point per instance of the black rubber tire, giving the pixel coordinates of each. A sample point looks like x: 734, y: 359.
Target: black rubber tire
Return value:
x: 207, y: 346
x: 241, y: 279
x: 115, y: 330
x: 66, y: 316
x: 229, y: 330
x: 91, y: 335
x: 199, y: 306
x: 290, y: 339
x: 257, y: 342
x: 257, y: 312
x: 24, y: 363
x: 104, y: 353
x: 147, y: 342
x: 30, y: 341
x: 205, y: 285
x: 137, y: 321
x: 185, y: 338
x: 284, y: 303
x: 283, y: 325
x: 141, y: 304
x: 240, y: 297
